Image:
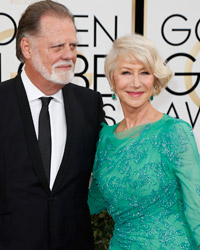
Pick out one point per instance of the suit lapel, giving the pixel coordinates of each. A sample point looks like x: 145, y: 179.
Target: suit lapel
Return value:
x: 30, y: 132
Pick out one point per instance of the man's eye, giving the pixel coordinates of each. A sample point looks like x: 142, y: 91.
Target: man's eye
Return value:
x: 58, y: 46
x: 73, y: 45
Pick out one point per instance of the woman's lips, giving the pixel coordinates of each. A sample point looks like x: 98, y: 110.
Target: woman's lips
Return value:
x: 135, y: 94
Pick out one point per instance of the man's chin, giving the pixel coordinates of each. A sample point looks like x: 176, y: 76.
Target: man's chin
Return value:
x: 62, y: 81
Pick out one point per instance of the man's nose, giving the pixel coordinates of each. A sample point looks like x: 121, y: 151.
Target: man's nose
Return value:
x: 68, y: 53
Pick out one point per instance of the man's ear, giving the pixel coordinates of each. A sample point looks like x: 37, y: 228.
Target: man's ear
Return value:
x: 26, y: 47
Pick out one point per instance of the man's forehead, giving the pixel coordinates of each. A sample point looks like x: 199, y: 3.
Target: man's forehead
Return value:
x: 52, y: 27
x: 52, y: 22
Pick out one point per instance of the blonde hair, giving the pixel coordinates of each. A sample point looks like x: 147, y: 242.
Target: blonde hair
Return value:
x: 137, y: 47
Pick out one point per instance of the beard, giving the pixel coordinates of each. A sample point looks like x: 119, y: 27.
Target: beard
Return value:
x: 62, y: 77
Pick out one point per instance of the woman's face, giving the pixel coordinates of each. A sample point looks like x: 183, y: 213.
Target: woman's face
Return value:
x: 133, y: 84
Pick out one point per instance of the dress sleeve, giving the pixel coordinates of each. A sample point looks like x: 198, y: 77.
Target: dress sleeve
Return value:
x: 95, y: 200
x: 188, y: 173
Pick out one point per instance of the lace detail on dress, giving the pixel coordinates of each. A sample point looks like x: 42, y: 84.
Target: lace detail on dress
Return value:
x: 148, y: 187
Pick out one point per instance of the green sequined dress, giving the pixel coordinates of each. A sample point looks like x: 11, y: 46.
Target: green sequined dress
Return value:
x: 148, y: 178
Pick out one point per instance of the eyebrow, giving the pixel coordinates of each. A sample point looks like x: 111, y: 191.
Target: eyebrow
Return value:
x: 51, y: 45
x: 75, y: 42
x: 125, y: 67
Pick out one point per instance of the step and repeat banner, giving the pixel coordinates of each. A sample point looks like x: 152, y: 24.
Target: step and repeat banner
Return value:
x: 98, y: 23
x: 174, y: 26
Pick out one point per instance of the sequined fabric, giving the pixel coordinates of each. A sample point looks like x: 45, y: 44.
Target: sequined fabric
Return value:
x: 148, y: 178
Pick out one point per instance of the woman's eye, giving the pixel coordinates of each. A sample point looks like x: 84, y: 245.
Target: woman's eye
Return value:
x: 125, y: 73
x: 145, y: 73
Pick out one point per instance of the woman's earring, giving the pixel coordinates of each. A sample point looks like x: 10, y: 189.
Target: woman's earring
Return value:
x: 114, y: 95
x: 151, y: 98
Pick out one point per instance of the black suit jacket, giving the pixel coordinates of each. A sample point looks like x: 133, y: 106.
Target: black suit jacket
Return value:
x: 31, y: 216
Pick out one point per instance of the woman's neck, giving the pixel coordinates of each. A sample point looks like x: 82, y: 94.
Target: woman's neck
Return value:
x: 139, y: 117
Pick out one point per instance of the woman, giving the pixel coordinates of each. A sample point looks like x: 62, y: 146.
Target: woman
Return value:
x: 147, y: 167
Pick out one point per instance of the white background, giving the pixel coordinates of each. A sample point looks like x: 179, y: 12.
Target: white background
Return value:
x: 157, y: 12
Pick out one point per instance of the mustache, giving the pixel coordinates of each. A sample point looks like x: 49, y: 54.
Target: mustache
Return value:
x: 64, y: 63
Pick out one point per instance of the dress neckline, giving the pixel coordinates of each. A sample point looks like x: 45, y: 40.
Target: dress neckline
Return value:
x: 134, y: 131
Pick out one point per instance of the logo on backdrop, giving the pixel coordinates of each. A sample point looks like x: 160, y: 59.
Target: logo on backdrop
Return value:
x: 174, y: 36
x: 8, y: 35
x: 188, y: 81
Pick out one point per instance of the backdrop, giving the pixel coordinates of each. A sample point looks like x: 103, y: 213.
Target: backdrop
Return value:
x: 172, y: 25
x: 98, y: 23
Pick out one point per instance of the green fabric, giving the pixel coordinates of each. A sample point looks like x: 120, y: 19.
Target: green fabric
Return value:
x: 148, y: 178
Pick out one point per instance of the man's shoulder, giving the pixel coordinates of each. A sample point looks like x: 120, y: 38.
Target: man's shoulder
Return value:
x: 9, y: 83
x: 81, y: 91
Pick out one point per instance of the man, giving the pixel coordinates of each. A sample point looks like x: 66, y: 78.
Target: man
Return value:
x: 43, y: 197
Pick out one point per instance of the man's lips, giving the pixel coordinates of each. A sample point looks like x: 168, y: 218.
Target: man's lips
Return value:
x: 65, y: 67
x: 135, y: 94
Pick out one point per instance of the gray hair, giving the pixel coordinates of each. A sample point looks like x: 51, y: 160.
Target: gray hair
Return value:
x: 29, y: 24
x: 137, y: 47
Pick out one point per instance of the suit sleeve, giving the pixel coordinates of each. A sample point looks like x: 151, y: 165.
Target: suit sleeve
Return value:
x: 96, y: 201
x: 101, y: 111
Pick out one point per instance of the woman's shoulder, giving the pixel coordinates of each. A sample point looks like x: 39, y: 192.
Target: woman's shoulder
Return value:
x: 176, y: 122
x: 107, y: 129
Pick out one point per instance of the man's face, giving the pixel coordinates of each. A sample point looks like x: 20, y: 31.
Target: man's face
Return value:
x: 54, y: 50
